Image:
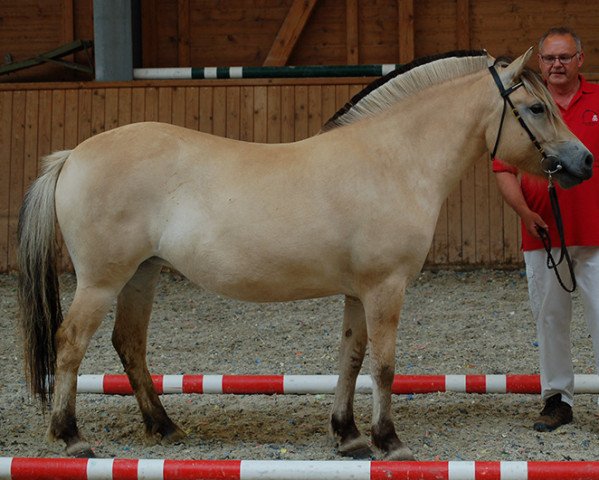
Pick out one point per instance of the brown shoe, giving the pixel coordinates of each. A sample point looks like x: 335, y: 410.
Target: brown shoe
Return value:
x: 555, y: 414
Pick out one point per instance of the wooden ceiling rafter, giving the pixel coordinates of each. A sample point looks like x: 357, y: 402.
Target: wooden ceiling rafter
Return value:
x: 289, y: 33
x: 352, y: 32
x: 406, y: 30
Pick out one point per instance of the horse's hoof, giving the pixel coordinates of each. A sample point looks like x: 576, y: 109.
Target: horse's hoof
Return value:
x: 402, y: 453
x: 173, y: 435
x: 80, y: 450
x: 356, y: 448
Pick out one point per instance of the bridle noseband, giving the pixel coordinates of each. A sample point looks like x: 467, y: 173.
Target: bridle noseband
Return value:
x: 546, y: 162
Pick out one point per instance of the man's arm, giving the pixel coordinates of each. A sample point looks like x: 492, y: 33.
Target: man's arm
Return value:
x: 510, y: 189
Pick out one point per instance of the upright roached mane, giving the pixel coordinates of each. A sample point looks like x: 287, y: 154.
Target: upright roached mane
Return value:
x: 427, y: 72
x: 407, y: 80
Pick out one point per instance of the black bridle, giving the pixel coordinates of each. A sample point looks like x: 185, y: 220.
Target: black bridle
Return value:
x: 546, y: 162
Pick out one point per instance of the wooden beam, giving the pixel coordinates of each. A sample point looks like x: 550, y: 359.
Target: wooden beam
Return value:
x: 352, y: 33
x: 68, y: 25
x: 406, y: 30
x: 149, y: 32
x: 183, y: 33
x: 289, y: 33
x: 463, y: 24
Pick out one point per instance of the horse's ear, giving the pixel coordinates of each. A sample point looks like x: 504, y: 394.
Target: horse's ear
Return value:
x: 510, y: 74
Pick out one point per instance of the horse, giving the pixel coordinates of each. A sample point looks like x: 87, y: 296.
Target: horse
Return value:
x: 349, y: 211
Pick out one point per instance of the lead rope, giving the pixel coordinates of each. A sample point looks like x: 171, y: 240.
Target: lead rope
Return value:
x: 551, y: 263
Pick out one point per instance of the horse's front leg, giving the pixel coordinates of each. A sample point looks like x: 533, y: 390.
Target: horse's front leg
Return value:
x: 352, y: 350
x: 382, y: 307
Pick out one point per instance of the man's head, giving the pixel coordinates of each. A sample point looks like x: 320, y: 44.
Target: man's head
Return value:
x: 560, y: 57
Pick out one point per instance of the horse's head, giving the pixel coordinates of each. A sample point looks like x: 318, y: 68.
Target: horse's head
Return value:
x: 534, y: 138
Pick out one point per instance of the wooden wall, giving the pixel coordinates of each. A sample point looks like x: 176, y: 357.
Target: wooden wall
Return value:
x: 203, y: 33
x: 475, y: 228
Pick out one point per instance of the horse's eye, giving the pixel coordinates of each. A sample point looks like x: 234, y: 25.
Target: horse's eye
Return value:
x: 537, y: 108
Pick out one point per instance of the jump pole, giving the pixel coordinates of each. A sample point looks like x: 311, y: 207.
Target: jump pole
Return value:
x: 303, y: 71
x: 325, y: 384
x: 20, y: 468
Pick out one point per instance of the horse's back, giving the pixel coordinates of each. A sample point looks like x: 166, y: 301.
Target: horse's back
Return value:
x: 233, y: 216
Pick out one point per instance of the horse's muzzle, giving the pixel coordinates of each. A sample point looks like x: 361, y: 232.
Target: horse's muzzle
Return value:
x: 570, y: 173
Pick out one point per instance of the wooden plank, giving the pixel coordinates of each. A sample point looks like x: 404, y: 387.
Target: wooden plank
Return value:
x: 138, y: 105
x: 30, y: 157
x: 290, y: 31
x: 125, y: 106
x: 352, y: 32
x: 246, y: 112
x: 165, y: 104
x: 274, y: 114
x: 481, y: 205
x: 329, y: 103
x: 68, y: 25
x: 71, y: 117
x: 260, y: 114
x: 468, y: 217
x: 5, y: 140
x: 58, y: 114
x: 314, y: 109
x: 16, y: 146
x: 44, y: 139
x: 192, y: 108
x: 183, y: 33
x: 111, y: 108
x: 84, y: 120
x: 149, y: 28
x: 233, y: 112
x: 463, y: 24
x: 151, y: 105
x: 98, y: 118
x: 179, y: 115
x: 219, y: 111
x: 301, y: 112
x: 287, y: 114
x: 206, y: 109
x: 406, y: 31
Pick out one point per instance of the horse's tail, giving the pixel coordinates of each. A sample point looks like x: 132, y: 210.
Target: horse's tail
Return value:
x: 39, y: 300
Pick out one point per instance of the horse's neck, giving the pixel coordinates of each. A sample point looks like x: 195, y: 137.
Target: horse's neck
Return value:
x: 436, y: 135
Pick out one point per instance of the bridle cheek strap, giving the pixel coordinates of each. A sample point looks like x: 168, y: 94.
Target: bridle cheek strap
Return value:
x: 505, y: 94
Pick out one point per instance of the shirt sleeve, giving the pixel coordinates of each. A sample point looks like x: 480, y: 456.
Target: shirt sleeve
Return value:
x: 499, y: 166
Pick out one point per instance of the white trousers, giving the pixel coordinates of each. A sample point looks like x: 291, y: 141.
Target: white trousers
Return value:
x: 552, y: 311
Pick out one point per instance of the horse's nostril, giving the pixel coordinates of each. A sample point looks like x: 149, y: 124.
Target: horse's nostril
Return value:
x: 588, y: 161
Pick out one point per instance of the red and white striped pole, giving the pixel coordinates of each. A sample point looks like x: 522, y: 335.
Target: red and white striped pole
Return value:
x: 325, y: 384
x: 15, y: 468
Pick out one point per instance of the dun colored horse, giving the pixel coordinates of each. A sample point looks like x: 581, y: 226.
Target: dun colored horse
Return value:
x: 349, y: 211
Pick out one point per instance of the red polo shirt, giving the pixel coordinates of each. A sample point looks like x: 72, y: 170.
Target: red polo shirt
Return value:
x: 579, y: 205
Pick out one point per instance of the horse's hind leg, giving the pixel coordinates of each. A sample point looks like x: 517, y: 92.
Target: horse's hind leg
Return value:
x: 129, y: 338
x: 87, y: 311
x: 352, y: 351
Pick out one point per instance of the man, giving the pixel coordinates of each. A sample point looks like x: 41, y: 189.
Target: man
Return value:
x: 560, y: 59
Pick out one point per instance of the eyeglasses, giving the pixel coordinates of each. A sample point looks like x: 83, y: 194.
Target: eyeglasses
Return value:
x: 563, y: 59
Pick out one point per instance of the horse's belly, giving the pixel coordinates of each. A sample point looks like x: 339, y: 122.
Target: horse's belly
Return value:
x: 260, y: 281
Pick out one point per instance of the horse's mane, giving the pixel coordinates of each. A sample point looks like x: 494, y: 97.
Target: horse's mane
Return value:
x: 407, y: 80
